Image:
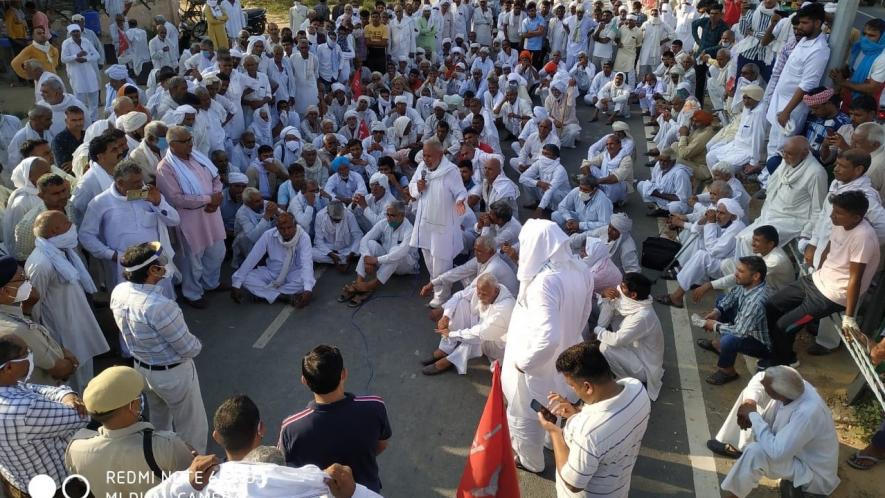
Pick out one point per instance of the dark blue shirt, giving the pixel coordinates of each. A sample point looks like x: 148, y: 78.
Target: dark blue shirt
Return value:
x: 345, y: 432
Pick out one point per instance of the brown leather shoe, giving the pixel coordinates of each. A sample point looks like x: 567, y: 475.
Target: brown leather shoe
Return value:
x: 432, y: 369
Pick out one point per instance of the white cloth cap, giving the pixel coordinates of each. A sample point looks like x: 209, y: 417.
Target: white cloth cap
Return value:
x: 621, y: 222
x: 74, y: 27
x: 132, y: 121
x: 117, y: 72
x: 237, y: 177
x: 731, y: 206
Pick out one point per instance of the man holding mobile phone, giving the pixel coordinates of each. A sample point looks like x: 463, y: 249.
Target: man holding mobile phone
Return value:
x: 611, y: 422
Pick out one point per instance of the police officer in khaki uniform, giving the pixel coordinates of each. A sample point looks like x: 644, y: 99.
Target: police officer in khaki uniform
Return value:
x: 53, y: 363
x: 126, y: 455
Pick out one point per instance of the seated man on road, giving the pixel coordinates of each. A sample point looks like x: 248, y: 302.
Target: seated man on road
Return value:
x: 613, y: 168
x: 618, y: 238
x: 384, y: 251
x: 669, y: 188
x: 545, y: 182
x: 486, y: 259
x: 337, y: 236
x: 634, y: 347
x: 288, y: 270
x: 254, y: 217
x: 779, y: 428
x: 691, y: 148
x: 342, y: 185
x: 473, y: 324
x: 746, y: 151
x: 704, y: 264
x: 723, y: 171
x: 621, y: 130
x: 779, y: 268
x: 496, y: 186
x: 499, y: 223
x: 585, y: 208
x: 739, y: 320
x: 369, y: 209
x: 534, y: 144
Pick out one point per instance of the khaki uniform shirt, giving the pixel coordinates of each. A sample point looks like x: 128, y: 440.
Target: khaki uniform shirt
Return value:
x: 113, y: 460
x: 46, y: 350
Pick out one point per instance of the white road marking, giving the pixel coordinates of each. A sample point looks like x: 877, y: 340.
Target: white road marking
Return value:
x: 865, y: 14
x: 703, y: 465
x: 281, y: 318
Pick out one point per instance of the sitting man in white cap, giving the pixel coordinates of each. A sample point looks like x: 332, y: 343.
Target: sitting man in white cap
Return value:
x: 514, y: 113
x: 747, y: 148
x: 441, y: 114
x: 401, y: 108
x: 618, y: 237
x: 384, y: 252
x: 669, y: 188
x: 474, y: 323
x: 621, y: 130
x: 287, y: 271
x: 560, y: 103
x: 113, y: 399
x: 377, y: 144
x: 133, y: 125
x: 719, y: 240
x: 337, y: 236
x: 370, y: 209
x: 530, y: 151
x: 779, y: 428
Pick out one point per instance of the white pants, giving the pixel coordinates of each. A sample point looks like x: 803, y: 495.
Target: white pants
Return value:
x: 199, y: 272
x: 728, y: 152
x: 259, y: 280
x: 691, y: 242
x: 457, y: 352
x: 323, y: 257
x: 176, y: 403
x: 755, y: 464
x: 701, y: 267
x: 436, y: 267
x: 569, y: 134
x: 90, y: 100
x: 516, y: 146
x: 646, y: 187
x: 526, y: 433
x: 590, y: 99
x: 406, y: 266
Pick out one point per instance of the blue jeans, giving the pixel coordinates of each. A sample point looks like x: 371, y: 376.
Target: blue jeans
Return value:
x: 730, y: 346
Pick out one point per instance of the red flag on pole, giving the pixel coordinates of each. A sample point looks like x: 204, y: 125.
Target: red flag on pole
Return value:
x: 490, y: 471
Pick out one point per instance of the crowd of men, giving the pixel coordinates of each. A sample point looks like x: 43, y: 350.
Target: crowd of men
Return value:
x: 375, y: 141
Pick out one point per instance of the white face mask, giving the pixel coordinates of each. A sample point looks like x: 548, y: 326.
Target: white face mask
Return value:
x: 67, y: 240
x: 23, y: 292
x: 169, y: 270
x: 30, y: 360
x: 585, y: 196
x: 292, y: 145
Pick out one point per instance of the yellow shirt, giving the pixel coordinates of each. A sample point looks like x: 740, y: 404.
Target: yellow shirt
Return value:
x: 376, y: 33
x: 15, y: 27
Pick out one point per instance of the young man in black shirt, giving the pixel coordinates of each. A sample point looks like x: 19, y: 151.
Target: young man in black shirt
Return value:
x: 336, y: 427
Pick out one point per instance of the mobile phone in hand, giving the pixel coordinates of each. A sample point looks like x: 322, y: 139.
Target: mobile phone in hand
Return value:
x: 138, y: 194
x: 547, y: 414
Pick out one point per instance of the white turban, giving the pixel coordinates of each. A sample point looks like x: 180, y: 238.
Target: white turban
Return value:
x: 753, y: 91
x: 236, y: 54
x: 441, y: 105
x: 380, y: 179
x: 723, y: 167
x: 132, y: 121
x: 237, y: 177
x: 74, y: 27
x: 540, y: 113
x: 289, y: 130
x: 378, y: 126
x: 337, y: 86
x: 621, y: 126
x: 365, y: 98
x: 117, y: 72
x: 350, y: 114
x: 401, y: 99
x: 621, y: 222
x: 731, y: 206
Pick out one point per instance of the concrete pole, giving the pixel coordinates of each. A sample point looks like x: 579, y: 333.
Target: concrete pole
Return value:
x: 839, y: 32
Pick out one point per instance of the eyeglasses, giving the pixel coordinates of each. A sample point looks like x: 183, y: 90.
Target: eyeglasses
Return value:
x: 188, y: 140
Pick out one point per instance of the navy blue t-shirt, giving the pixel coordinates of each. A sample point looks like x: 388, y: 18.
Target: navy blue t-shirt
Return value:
x: 345, y: 432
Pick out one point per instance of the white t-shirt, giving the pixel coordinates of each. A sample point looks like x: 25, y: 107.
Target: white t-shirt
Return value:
x: 858, y: 245
x: 604, y: 440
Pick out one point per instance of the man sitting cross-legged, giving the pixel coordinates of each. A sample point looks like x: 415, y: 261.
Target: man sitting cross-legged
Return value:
x: 473, y: 324
x: 337, y: 236
x: 288, y: 271
x: 384, y: 251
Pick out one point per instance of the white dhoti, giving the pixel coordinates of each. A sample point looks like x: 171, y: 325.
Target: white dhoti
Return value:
x: 700, y: 268
x: 755, y: 464
x: 259, y: 280
x: 569, y: 134
x: 624, y: 362
x: 320, y: 256
x: 436, y: 267
x: 691, y: 243
x: 526, y: 433
x: 406, y: 266
x: 460, y: 317
x: 645, y: 189
x: 176, y: 402
x: 731, y: 153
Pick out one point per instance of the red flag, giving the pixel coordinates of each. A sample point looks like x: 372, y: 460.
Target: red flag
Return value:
x: 490, y: 471
x: 356, y: 86
x: 363, y: 130
x: 123, y: 42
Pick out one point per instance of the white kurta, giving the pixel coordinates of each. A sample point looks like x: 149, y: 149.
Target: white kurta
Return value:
x: 437, y: 227
x: 82, y: 75
x: 64, y: 310
x: 796, y: 441
x: 236, y: 17
x: 259, y: 281
x: 306, y: 73
x: 20, y: 202
x: 94, y: 182
x: 391, y: 247
x: 677, y: 180
x: 342, y: 238
x: 472, y: 269
x: 748, y: 144
x: 705, y: 264
x: 635, y: 345
x: 112, y: 224
x: 475, y: 328
x: 654, y: 31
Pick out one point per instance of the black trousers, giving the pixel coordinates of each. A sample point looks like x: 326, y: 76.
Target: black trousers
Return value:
x: 792, y: 308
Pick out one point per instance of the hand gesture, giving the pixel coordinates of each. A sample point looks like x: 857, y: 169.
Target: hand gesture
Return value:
x: 340, y: 482
x: 560, y: 406
x: 571, y: 227
x: 443, y: 323
x: 422, y: 185
x: 270, y: 210
x: 809, y: 255
x: 153, y: 194
x: 201, y: 470
x: 73, y: 400
x: 427, y: 290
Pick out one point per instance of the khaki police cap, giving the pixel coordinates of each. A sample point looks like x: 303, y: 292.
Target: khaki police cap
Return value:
x: 112, y: 389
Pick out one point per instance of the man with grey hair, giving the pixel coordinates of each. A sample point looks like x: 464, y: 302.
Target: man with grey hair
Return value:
x: 586, y: 207
x: 384, y: 252
x: 53, y: 96
x: 171, y: 35
x: 287, y: 271
x: 128, y: 213
x: 38, y: 128
x: 254, y: 217
x: 191, y: 183
x: 35, y: 72
x: 120, y: 107
x: 669, y: 188
x: 440, y: 195
x: 870, y: 137
x: 150, y: 150
x: 337, y: 236
x: 779, y: 428
x: 474, y: 323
